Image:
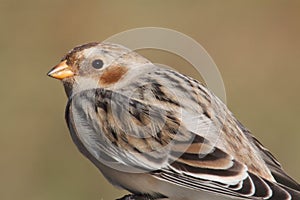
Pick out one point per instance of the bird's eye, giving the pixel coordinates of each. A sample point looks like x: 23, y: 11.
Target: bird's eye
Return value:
x: 97, y: 64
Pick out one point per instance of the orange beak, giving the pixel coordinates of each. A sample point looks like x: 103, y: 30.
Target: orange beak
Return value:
x: 61, y: 71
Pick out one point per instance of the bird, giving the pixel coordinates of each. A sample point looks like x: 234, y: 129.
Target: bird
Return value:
x: 160, y: 134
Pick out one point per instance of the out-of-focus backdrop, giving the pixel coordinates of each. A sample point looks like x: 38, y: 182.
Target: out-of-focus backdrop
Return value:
x: 255, y: 44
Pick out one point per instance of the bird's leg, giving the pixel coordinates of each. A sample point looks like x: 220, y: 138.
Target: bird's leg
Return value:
x: 135, y: 197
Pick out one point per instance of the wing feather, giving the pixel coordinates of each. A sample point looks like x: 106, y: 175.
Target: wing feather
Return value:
x: 273, y: 164
x: 141, y: 135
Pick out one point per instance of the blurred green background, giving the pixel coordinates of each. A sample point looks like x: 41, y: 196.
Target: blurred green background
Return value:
x: 255, y: 44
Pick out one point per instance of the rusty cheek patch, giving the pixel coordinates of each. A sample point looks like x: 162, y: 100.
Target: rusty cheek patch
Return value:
x: 112, y: 75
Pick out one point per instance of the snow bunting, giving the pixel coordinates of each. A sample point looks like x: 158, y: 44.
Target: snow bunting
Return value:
x: 160, y: 134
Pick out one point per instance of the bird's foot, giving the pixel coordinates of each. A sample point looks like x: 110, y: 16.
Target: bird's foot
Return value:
x: 135, y: 197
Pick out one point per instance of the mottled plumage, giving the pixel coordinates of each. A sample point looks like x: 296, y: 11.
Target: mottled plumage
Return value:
x: 161, y: 134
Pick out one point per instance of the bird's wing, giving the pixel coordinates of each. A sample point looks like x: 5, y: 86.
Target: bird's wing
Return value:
x: 219, y: 173
x: 117, y: 129
x: 141, y: 136
x: 273, y: 164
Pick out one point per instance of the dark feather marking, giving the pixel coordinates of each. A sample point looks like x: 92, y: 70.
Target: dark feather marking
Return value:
x: 136, y: 114
x: 247, y: 186
x: 280, y: 193
x: 236, y: 186
x: 102, y: 105
x: 179, y: 86
x: 124, y: 138
x: 114, y: 134
x: 96, y: 108
x: 171, y: 129
x: 141, y: 90
x: 114, y: 143
x: 158, y: 137
x: 234, y: 170
x: 155, y: 87
x: 189, y: 82
x: 167, y: 76
x: 204, y: 94
x: 206, y: 114
x: 173, y: 119
x: 216, y: 155
x: 261, y: 189
x: 160, y: 95
x: 138, y: 111
x: 70, y: 55
x: 101, y: 94
x: 187, y: 79
x: 199, y: 139
x: 136, y: 149
x: 84, y: 46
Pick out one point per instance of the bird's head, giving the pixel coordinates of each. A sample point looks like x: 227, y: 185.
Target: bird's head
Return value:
x: 95, y: 65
